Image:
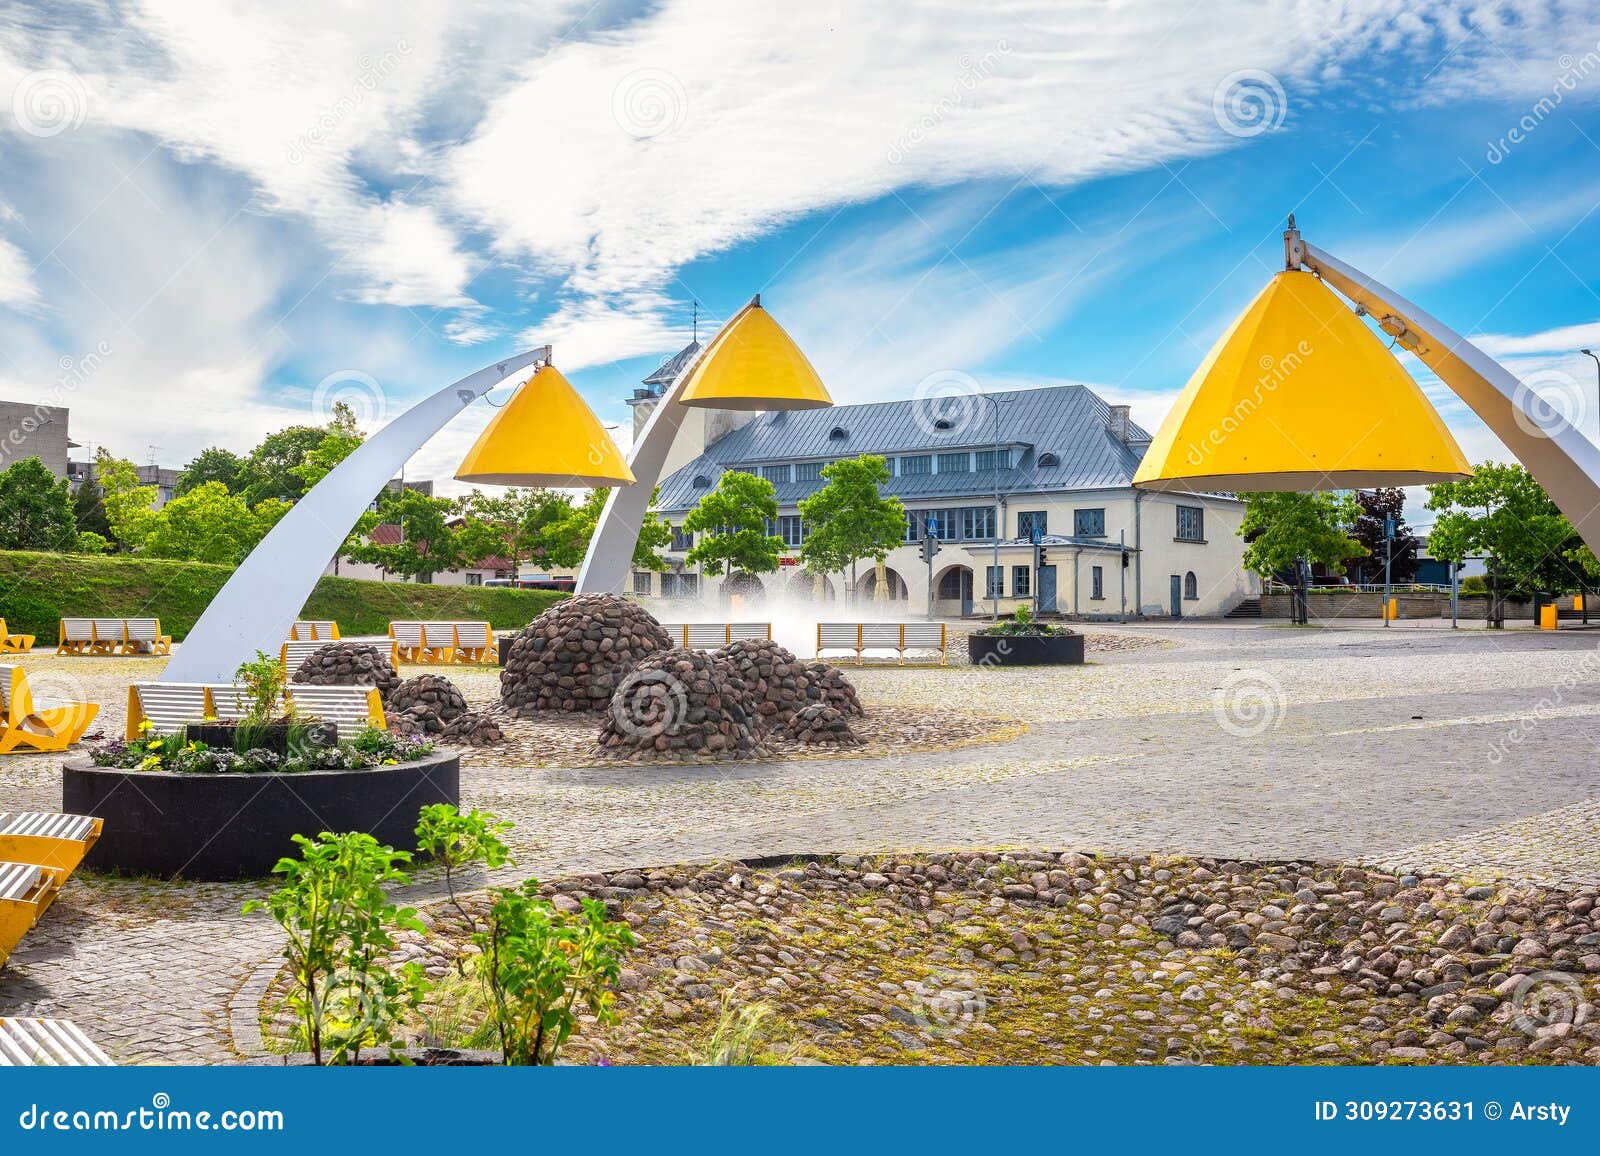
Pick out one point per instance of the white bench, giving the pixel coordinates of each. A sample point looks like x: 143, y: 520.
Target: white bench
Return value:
x: 711, y: 635
x: 26, y: 892
x: 49, y: 838
x: 113, y: 636
x: 442, y: 641
x: 353, y: 708
x: 28, y: 1043
x: 900, y: 637
x: 166, y: 706
x: 144, y: 637
x: 169, y: 706
x: 312, y: 631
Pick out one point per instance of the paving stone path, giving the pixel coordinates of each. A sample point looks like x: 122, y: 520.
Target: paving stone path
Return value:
x: 1469, y: 752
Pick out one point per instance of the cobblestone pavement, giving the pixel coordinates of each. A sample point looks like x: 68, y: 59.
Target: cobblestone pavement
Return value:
x: 1466, y: 751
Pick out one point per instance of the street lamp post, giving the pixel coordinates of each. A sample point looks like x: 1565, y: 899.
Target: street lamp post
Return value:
x: 994, y: 587
x: 1596, y: 356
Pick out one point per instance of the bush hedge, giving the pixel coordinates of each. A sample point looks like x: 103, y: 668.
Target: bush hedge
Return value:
x: 38, y: 590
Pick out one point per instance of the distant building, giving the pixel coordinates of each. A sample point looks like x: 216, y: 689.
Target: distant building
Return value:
x: 28, y: 430
x: 391, y: 534
x: 1063, y: 460
x: 163, y: 478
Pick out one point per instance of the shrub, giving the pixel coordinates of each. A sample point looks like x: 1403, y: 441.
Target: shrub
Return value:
x: 261, y: 681
x: 456, y: 841
x: 1022, y: 622
x: 334, y: 907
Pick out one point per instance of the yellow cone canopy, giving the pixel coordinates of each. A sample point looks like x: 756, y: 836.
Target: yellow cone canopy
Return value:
x: 753, y: 364
x: 545, y: 436
x: 1299, y: 394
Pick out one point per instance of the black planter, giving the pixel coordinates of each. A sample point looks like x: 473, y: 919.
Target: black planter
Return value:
x: 1025, y: 649
x: 220, y: 827
x: 274, y: 736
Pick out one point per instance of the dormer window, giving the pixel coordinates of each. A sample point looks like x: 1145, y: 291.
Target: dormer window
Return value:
x: 701, y: 482
x: 943, y: 423
x: 838, y: 433
x: 1049, y: 461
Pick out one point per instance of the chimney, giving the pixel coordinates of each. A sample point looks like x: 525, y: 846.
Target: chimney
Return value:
x: 1120, y: 423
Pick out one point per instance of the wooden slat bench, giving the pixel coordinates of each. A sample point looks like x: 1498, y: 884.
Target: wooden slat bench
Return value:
x: 145, y: 637
x: 711, y: 635
x: 26, y: 892
x: 77, y: 636
x: 443, y: 642
x: 314, y: 632
x: 900, y: 637
x: 14, y: 643
x: 29, y: 1043
x: 38, y: 724
x: 48, y: 838
x: 168, y: 706
x: 109, y: 636
x: 353, y: 708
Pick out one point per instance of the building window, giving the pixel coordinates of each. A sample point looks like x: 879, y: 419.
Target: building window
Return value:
x: 1097, y: 582
x: 955, y: 463
x: 641, y: 582
x: 991, y: 582
x: 950, y: 586
x: 1089, y: 523
x: 917, y: 464
x: 779, y: 473
x: 808, y: 471
x: 679, y: 585
x: 944, y: 525
x: 682, y: 540
x: 994, y: 459
x: 474, y: 578
x: 1049, y: 461
x: 1191, y: 524
x: 1191, y: 587
x: 1030, y: 520
x: 790, y: 530
x: 977, y: 523
x: 1021, y: 585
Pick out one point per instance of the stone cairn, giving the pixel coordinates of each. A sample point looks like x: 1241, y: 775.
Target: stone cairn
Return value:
x: 348, y: 664
x: 681, y: 706
x: 776, y: 683
x: 831, y: 687
x: 474, y: 729
x: 430, y: 701
x: 574, y: 656
x: 822, y: 725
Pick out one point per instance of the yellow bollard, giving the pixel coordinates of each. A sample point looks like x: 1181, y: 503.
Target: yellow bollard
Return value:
x: 1577, y: 603
x: 1547, y: 617
x: 1391, y: 610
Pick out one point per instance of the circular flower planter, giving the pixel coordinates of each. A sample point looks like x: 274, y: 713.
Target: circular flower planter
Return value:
x: 220, y: 827
x: 1025, y: 649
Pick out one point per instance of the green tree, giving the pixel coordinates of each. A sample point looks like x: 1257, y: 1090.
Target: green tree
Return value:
x: 127, y: 502
x: 208, y: 524
x: 430, y: 544
x: 270, y: 470
x: 341, y: 438
x: 36, y: 509
x: 732, y: 523
x: 89, y: 508
x: 1281, y: 527
x: 655, y: 532
x: 213, y: 464
x: 849, y: 518
x: 1375, y: 508
x: 1503, y: 514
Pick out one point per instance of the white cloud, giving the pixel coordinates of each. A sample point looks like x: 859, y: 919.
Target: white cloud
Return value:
x: 17, y: 287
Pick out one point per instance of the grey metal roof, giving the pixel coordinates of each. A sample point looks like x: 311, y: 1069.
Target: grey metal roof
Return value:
x: 1069, y: 421
x: 672, y: 366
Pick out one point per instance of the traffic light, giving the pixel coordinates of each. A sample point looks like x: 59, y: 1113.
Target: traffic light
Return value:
x: 1044, y: 559
x: 930, y: 547
x: 1124, y: 559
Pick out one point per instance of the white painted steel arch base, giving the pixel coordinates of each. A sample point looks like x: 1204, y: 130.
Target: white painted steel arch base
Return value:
x: 1560, y: 458
x: 258, y: 605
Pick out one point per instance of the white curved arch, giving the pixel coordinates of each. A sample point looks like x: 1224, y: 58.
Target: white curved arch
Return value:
x: 1560, y: 458
x: 258, y: 605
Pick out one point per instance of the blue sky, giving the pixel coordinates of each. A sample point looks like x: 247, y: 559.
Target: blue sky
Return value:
x: 216, y: 218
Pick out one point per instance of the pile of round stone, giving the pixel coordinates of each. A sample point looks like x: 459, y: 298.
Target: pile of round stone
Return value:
x: 822, y: 725
x: 431, y: 701
x: 474, y: 729
x: 681, y: 706
x: 830, y: 686
x: 348, y: 664
x: 776, y: 682
x: 574, y: 655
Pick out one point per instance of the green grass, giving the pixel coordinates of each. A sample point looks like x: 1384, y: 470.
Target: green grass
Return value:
x: 38, y: 590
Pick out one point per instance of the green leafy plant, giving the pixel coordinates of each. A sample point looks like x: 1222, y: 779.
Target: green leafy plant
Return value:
x: 1023, y: 622
x: 341, y: 923
x: 262, y: 680
x: 457, y: 842
x: 540, y: 966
